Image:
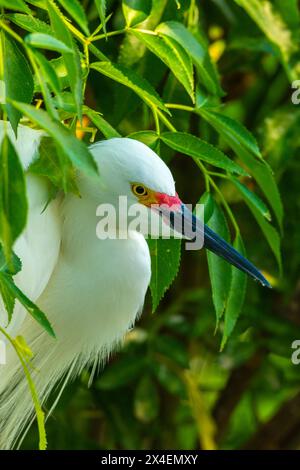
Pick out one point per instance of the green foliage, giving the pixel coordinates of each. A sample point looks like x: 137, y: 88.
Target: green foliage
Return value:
x: 13, y: 200
x: 206, y: 80
x: 165, y: 256
x: 20, y: 88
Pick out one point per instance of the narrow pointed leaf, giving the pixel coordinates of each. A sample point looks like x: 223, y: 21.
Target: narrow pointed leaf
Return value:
x: 107, y: 129
x: 17, y: 78
x: 258, y: 168
x: 76, y: 11
x: 18, y: 5
x: 30, y: 23
x: 13, y: 201
x: 72, y: 61
x: 191, y: 145
x: 219, y: 269
x: 197, y: 51
x: 269, y: 232
x: 236, y: 295
x: 101, y: 7
x: 165, y: 261
x: 136, y: 11
x: 173, y: 55
x: 31, y: 308
x: 45, y: 41
x: 258, y: 204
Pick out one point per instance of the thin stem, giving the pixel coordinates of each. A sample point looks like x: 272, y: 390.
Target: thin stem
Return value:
x: 182, y: 107
x: 166, y: 121
x: 97, y: 53
x: 11, y: 32
x: 226, y: 206
x: 111, y: 33
x: 156, y: 120
x: 209, y: 180
x: 146, y: 31
x: 35, y: 399
x: 218, y: 175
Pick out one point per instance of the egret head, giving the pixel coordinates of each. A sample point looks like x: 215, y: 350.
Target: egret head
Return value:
x: 131, y: 169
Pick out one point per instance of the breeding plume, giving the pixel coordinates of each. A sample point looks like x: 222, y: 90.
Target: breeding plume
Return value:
x: 91, y: 289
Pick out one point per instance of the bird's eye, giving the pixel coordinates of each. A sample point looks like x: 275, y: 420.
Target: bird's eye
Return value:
x: 139, y: 190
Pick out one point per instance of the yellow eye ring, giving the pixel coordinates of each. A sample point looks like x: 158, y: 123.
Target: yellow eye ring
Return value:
x: 139, y: 190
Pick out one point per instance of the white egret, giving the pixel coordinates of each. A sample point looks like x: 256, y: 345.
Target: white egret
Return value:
x: 91, y: 290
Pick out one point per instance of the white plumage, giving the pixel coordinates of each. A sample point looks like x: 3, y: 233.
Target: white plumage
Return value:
x: 91, y: 289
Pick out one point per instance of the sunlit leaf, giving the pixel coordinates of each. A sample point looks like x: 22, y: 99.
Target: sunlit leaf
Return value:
x: 72, y: 61
x: 197, y: 51
x: 136, y: 11
x: 107, y: 129
x: 30, y: 23
x: 17, y: 78
x: 45, y: 41
x: 173, y: 55
x: 18, y: 5
x: 101, y: 7
x: 76, y: 11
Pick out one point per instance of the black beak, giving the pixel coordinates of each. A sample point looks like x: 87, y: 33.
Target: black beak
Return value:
x: 186, y: 223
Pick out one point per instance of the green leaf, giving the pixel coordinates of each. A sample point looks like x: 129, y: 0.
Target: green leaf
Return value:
x: 258, y: 168
x: 48, y: 72
x: 101, y: 7
x: 107, y: 130
x: 197, y: 51
x: 149, y: 138
x: 15, y: 265
x: 269, y: 232
x: 17, y: 78
x: 8, y: 298
x: 76, y: 11
x: 219, y: 269
x: 270, y: 20
x: 165, y: 261
x: 234, y: 129
x: 191, y: 145
x: 136, y: 11
x: 132, y: 80
x: 18, y: 5
x: 31, y: 308
x: 13, y: 202
x: 54, y: 165
x: 236, y: 295
x: 66, y: 142
x: 30, y: 23
x: 207, y: 209
x: 72, y: 61
x: 258, y: 204
x: 44, y: 41
x: 173, y: 55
